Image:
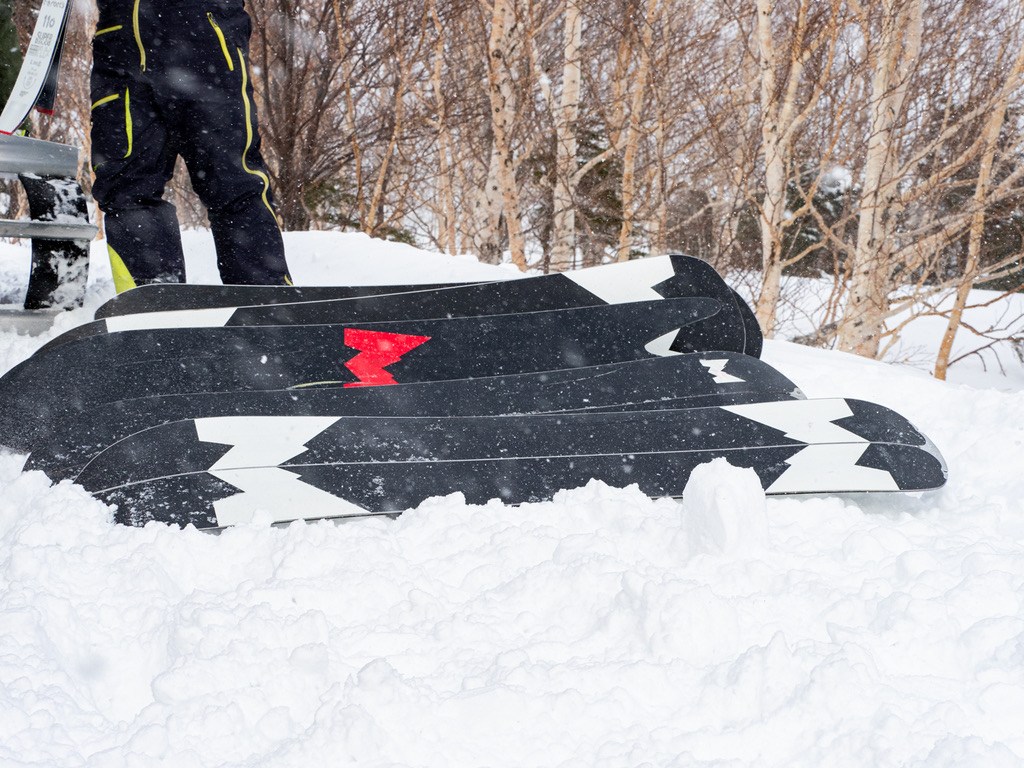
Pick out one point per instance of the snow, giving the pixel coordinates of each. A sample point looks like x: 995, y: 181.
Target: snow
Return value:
x: 600, y: 629
x: 836, y: 180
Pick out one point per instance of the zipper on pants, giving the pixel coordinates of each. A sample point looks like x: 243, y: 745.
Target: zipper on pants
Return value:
x: 138, y: 35
x: 223, y: 41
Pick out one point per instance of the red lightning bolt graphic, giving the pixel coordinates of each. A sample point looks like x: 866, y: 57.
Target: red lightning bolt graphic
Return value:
x: 377, y: 350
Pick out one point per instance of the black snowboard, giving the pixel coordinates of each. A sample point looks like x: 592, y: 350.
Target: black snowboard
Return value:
x: 733, y: 328
x: 81, y: 375
x: 223, y: 471
x: 679, y: 381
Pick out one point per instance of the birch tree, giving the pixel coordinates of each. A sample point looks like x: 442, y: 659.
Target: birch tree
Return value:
x: 892, y: 61
x: 991, y: 130
x: 500, y: 51
x: 447, y: 218
x: 787, y: 100
x: 631, y: 135
x: 563, y: 235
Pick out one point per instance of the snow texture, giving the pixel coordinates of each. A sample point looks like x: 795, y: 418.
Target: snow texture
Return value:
x: 600, y: 629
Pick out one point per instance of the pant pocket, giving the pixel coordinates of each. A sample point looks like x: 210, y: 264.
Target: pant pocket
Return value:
x: 113, y: 50
x: 111, y: 127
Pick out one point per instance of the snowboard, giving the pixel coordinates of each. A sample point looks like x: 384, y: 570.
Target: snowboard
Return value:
x: 689, y: 380
x: 81, y: 375
x: 36, y: 84
x: 224, y: 471
x: 732, y: 328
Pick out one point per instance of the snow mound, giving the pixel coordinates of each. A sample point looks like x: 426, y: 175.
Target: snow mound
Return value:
x: 725, y: 510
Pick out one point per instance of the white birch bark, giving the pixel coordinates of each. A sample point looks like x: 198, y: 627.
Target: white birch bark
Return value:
x: 502, y: 100
x: 633, y: 132
x: 563, y: 234
x: 898, y: 49
x: 446, y: 229
x: 487, y: 209
x: 774, y: 205
x: 784, y: 110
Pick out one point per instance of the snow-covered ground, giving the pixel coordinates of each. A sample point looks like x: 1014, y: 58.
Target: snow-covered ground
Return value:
x: 600, y: 629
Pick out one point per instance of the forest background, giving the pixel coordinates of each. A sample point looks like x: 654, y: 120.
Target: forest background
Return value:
x: 874, y: 144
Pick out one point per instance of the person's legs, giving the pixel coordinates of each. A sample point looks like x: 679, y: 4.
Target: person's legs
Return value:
x: 133, y: 160
x: 214, y: 119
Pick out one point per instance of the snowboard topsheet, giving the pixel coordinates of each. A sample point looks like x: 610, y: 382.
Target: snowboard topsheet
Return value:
x: 84, y: 374
x: 173, y: 297
x: 732, y: 328
x: 223, y: 471
x: 679, y: 381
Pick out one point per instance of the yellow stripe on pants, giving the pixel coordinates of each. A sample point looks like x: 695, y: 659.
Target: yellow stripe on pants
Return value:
x: 249, y: 136
x: 123, y: 279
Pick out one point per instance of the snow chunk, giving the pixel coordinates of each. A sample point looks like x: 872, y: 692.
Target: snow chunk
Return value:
x: 725, y: 510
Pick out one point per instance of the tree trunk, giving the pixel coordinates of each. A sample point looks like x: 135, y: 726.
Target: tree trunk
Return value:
x: 350, y: 108
x: 780, y: 120
x: 503, y: 109
x: 488, y: 214
x: 631, y: 140
x: 446, y: 229
x: 990, y: 138
x: 659, y: 220
x: 375, y: 211
x: 867, y: 305
x: 563, y: 234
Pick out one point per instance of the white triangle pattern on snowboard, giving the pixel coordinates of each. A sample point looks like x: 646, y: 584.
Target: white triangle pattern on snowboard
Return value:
x: 831, y: 462
x: 259, y: 444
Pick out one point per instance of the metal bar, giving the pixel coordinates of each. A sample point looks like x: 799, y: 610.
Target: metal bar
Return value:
x: 20, y: 154
x: 47, y: 230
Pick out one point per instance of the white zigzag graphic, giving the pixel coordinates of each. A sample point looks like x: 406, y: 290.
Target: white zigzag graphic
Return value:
x: 260, y: 444
x: 625, y: 282
x: 828, y: 464
x: 717, y: 370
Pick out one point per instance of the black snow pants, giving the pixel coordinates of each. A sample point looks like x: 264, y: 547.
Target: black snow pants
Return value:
x: 170, y: 78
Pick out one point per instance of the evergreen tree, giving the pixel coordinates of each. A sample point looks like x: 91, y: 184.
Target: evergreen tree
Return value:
x: 832, y: 199
x: 598, y: 203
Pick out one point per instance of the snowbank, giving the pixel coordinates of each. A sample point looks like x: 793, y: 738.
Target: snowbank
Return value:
x: 600, y: 629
